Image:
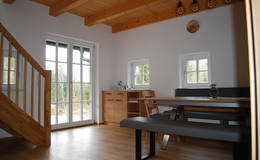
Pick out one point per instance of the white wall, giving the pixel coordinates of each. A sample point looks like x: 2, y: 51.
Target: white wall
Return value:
x: 29, y: 22
x: 222, y: 33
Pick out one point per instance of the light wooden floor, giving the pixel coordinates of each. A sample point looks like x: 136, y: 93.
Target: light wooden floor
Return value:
x: 110, y: 143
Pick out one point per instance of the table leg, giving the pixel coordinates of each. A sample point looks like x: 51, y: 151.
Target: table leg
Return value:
x: 138, y: 140
x: 138, y: 144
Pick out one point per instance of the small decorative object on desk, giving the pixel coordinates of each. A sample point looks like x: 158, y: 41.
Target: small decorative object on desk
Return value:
x: 122, y: 85
x: 213, y: 92
x: 180, y: 9
x: 195, y: 6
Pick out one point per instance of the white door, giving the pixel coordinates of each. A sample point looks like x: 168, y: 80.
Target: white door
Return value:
x: 72, y: 83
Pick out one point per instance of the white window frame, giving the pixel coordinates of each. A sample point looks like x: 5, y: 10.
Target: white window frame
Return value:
x: 131, y: 73
x: 182, y: 69
x: 14, y: 55
x: 94, y: 78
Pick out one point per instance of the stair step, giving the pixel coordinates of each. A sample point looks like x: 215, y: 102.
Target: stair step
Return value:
x: 8, y: 129
x: 15, y: 120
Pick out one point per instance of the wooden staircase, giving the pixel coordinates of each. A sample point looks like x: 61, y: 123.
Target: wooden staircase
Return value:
x: 25, y: 93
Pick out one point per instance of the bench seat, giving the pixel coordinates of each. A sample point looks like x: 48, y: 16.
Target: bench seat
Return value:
x: 239, y: 136
x: 189, y: 129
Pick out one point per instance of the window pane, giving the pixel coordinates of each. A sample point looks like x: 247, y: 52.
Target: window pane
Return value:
x: 5, y: 63
x: 138, y: 69
x: 75, y: 92
x: 203, y: 77
x: 62, y: 92
x: 51, y: 66
x: 76, y: 55
x: 53, y: 93
x: 86, y: 91
x: 62, y: 72
x: 191, y: 77
x: 86, y: 56
x: 53, y: 114
x: 62, y: 52
x: 62, y: 113
x: 191, y: 65
x: 146, y: 69
x: 146, y: 79
x: 12, y: 63
x: 5, y: 77
x: 50, y: 52
x: 138, y: 80
x: 76, y: 112
x: 12, y: 77
x: 86, y: 74
x: 203, y: 64
x: 76, y: 73
x: 86, y: 111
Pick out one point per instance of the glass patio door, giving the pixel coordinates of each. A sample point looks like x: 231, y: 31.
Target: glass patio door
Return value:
x: 71, y: 100
x: 81, y: 84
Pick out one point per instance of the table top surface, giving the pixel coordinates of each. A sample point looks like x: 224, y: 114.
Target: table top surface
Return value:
x: 198, y: 99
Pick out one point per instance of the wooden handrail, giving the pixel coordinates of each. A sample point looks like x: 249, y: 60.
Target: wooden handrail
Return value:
x: 21, y: 50
x: 46, y: 75
x: 47, y: 107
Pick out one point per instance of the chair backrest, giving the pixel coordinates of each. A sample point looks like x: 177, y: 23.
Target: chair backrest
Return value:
x: 149, y: 107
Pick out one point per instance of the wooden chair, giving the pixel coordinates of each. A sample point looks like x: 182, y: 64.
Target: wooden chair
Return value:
x: 165, y: 115
x: 149, y: 107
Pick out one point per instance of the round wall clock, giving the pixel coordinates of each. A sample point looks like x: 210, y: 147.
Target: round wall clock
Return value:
x: 193, y: 26
x: 212, y: 3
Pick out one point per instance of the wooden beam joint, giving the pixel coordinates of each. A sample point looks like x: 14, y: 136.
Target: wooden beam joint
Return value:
x: 62, y: 6
x: 116, y: 11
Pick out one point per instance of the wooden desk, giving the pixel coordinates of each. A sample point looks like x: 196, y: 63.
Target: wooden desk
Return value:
x: 220, y: 104
x: 199, y: 102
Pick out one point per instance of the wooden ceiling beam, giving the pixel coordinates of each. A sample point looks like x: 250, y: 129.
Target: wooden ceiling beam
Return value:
x: 115, y: 11
x: 160, y: 16
x: 8, y: 1
x: 62, y: 6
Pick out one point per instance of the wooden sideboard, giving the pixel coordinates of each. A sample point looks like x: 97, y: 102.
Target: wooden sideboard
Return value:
x: 119, y: 105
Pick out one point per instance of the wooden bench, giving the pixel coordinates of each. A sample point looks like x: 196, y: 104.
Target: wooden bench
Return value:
x: 239, y: 136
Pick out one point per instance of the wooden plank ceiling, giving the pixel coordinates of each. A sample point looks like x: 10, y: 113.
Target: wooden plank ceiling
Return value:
x: 123, y: 15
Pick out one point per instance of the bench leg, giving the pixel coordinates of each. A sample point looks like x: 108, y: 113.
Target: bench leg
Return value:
x: 165, y: 141
x: 138, y: 140
x: 241, y: 151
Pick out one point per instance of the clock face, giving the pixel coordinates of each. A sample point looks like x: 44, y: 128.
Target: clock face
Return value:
x: 193, y: 26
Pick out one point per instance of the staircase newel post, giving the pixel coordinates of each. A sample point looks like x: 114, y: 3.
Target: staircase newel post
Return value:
x: 47, y: 108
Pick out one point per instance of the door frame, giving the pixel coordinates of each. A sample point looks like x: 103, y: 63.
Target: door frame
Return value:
x: 94, y: 78
x: 253, y: 30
